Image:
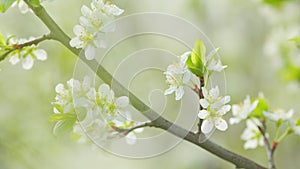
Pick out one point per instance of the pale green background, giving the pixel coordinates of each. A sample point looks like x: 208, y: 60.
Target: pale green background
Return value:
x: 26, y: 141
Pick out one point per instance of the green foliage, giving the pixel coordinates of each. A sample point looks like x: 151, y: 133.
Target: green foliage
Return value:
x: 196, y: 59
x: 261, y: 106
x: 58, y: 117
x: 5, y: 4
x: 298, y: 122
x: 290, y: 73
x: 63, y: 126
x: 296, y: 40
x: 34, y: 3
x: 275, y: 3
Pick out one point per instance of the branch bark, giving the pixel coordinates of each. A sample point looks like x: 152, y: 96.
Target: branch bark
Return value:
x: 156, y: 119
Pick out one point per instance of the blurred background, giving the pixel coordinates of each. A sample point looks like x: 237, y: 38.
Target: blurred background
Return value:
x: 254, y: 41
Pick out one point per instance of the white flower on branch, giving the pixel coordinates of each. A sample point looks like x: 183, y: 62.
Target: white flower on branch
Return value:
x: 90, y: 33
x: 212, y: 63
x: 240, y: 112
x: 279, y: 114
x: 214, y: 107
x: 252, y: 134
x: 27, y: 54
x: 178, y: 76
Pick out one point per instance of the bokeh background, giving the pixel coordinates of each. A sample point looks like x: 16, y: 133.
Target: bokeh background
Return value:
x: 251, y: 35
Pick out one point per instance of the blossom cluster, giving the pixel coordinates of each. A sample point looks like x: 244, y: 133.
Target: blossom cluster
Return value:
x: 25, y: 54
x: 94, y: 23
x: 95, y: 114
x: 190, y: 68
x: 256, y: 112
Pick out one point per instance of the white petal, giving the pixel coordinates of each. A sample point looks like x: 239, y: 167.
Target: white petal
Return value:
x: 170, y: 90
x: 14, y: 59
x: 214, y: 92
x: 59, y: 88
x: 250, y: 144
x: 234, y: 120
x: 221, y: 124
x: 90, y: 52
x: 207, y: 126
x: 179, y: 93
x: 122, y: 101
x: 86, y: 11
x: 223, y: 110
x: 203, y: 114
x: 78, y: 30
x: 130, y: 138
x: 104, y: 90
x: 205, y: 92
x: 27, y: 62
x: 139, y: 130
x: 84, y: 21
x: 204, y: 103
x: 76, y: 42
x: 40, y: 54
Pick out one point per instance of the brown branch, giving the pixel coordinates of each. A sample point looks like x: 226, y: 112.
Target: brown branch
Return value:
x: 157, y: 120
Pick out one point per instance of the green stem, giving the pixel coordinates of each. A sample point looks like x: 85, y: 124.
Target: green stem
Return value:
x: 155, y: 118
x: 284, y: 135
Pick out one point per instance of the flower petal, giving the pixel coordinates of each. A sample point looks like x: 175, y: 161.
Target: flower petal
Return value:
x: 90, y: 52
x: 207, y: 126
x: 179, y: 93
x: 122, y: 101
x: 204, y: 103
x: 27, y: 62
x: 40, y: 54
x: 203, y: 114
x: 130, y: 138
x: 221, y: 124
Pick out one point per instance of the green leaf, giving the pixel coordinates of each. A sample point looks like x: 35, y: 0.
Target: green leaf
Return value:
x: 298, y: 122
x: 198, y: 71
x: 261, y: 106
x: 199, y: 50
x: 275, y: 3
x: 5, y: 4
x: 58, y: 117
x: 34, y: 3
x: 2, y: 41
x: 63, y: 126
x: 296, y: 40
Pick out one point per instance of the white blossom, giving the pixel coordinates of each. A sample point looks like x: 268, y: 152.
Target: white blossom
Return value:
x: 91, y: 31
x: 27, y: 54
x: 214, y: 109
x: 279, y: 114
x: 212, y: 63
x: 252, y: 135
x: 177, y: 76
x: 241, y: 112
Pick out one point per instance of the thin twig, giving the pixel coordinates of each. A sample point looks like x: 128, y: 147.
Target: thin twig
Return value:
x: 29, y: 43
x: 270, y: 149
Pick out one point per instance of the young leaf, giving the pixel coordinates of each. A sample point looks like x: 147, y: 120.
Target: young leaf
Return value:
x: 199, y: 49
x: 261, y: 106
x: 5, y: 4
x: 63, y: 126
x: 57, y: 117
x: 34, y: 3
x: 194, y: 69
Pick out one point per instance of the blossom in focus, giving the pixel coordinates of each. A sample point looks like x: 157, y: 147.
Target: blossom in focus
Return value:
x: 214, y: 108
x: 212, y: 63
x: 94, y: 23
x: 177, y: 76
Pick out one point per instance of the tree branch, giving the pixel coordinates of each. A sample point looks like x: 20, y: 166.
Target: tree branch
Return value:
x: 29, y: 43
x: 155, y: 118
